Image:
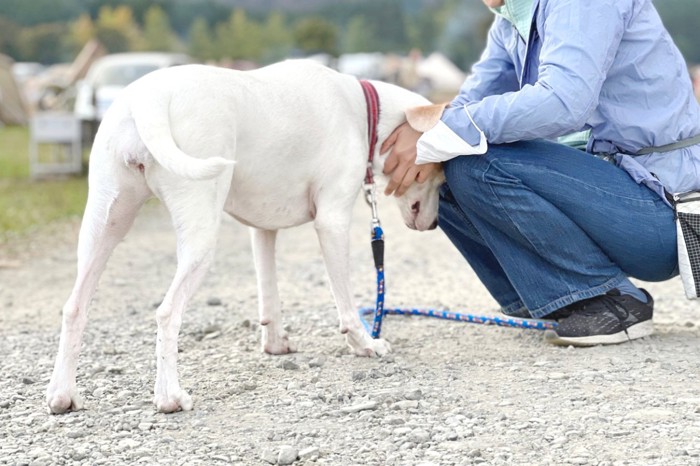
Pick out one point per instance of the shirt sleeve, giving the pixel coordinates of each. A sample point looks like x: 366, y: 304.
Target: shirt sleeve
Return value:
x: 456, y: 133
x: 580, y: 39
x: 494, y: 73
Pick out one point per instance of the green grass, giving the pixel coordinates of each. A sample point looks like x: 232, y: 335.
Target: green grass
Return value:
x: 27, y: 205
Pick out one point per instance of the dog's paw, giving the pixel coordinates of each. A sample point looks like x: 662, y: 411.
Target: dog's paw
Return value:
x: 276, y: 343
x: 370, y: 347
x: 181, y: 400
x: 61, y: 401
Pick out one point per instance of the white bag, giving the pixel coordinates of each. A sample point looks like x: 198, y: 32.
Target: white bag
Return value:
x: 687, y: 207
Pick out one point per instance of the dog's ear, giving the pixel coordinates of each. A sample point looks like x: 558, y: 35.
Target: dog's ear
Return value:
x: 424, y: 117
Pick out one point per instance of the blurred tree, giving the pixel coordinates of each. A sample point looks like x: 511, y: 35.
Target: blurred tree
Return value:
x: 8, y: 37
x: 358, y: 37
x: 239, y: 38
x: 183, y: 14
x: 423, y: 29
x: 43, y: 43
x: 201, y: 43
x: 681, y: 19
x: 82, y: 30
x: 157, y: 33
x: 276, y: 38
x: 32, y: 12
x: 117, y: 30
x: 315, y: 35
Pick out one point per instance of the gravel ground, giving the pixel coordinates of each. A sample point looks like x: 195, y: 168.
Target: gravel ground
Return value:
x: 450, y: 393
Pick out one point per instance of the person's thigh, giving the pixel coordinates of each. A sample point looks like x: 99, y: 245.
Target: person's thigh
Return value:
x: 628, y: 221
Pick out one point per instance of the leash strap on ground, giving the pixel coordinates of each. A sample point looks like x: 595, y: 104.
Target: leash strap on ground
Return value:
x: 513, y: 322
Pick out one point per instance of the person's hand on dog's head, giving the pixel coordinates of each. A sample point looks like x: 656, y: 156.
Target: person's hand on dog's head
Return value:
x: 401, y: 161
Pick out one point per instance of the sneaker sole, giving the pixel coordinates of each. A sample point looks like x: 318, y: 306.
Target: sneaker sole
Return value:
x: 643, y: 329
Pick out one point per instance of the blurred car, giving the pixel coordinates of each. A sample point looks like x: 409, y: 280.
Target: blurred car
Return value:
x: 108, y: 75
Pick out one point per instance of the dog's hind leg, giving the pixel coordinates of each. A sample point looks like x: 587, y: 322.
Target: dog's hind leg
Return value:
x: 196, y: 208
x: 109, y: 213
x: 332, y: 231
x: 274, y: 338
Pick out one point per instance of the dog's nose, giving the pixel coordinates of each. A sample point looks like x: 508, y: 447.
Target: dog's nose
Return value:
x: 415, y: 208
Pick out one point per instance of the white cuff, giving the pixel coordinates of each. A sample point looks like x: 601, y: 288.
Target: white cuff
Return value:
x: 440, y: 144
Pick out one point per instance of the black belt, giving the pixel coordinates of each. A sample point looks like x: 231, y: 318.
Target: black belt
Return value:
x: 669, y: 147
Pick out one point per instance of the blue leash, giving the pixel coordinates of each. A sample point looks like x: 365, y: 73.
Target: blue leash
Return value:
x: 379, y: 311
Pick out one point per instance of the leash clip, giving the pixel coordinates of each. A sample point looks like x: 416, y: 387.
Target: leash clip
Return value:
x: 370, y: 190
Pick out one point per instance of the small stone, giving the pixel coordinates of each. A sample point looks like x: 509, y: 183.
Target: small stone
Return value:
x: 317, y: 362
x: 4, y: 404
x: 359, y: 407
x: 405, y: 404
x: 415, y: 394
x: 214, y: 301
x: 145, y: 426
x: 287, y: 455
x: 211, y: 336
x: 394, y: 420
x: 476, y: 453
x: 27, y: 381
x: 419, y: 436
x: 358, y: 375
x: 308, y: 453
x: 79, y: 455
x: 288, y: 365
x: 127, y: 444
x: 269, y: 456
x: 79, y: 433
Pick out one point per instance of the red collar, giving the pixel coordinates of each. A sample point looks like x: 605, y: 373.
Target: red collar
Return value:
x: 372, y: 100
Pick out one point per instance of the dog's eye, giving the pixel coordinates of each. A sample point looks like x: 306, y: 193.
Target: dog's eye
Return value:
x: 415, y: 208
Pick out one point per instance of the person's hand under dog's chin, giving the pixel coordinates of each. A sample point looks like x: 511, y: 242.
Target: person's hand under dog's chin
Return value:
x: 401, y: 161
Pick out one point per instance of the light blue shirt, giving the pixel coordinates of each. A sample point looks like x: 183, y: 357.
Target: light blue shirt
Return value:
x: 609, y: 66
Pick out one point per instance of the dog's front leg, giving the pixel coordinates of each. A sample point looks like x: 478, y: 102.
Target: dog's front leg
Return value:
x: 333, y: 236
x: 274, y: 338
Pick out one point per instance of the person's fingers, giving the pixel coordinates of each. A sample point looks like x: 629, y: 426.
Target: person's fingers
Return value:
x: 394, y: 181
x: 408, y: 179
x: 390, y: 141
x: 391, y: 162
x: 425, y: 171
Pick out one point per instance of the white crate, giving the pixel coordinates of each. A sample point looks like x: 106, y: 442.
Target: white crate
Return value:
x: 60, y: 130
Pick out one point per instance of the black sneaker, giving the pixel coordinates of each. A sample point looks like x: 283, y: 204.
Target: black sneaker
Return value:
x: 604, y: 320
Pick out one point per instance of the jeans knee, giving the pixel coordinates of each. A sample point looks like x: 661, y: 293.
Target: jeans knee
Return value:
x: 464, y: 167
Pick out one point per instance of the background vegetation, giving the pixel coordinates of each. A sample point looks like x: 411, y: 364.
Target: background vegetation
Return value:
x: 268, y: 30
x: 263, y: 31
x: 25, y: 204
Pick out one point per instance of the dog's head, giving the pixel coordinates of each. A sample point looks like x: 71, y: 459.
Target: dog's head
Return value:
x: 419, y: 204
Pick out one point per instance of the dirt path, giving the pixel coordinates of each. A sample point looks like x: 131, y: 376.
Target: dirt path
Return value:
x: 450, y: 393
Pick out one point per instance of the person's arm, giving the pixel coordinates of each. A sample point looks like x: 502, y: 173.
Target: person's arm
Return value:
x: 494, y: 73
x: 579, y: 45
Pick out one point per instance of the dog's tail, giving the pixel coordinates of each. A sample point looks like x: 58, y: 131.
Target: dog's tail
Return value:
x: 152, y: 121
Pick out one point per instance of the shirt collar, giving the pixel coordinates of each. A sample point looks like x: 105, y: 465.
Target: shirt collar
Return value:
x: 519, y: 14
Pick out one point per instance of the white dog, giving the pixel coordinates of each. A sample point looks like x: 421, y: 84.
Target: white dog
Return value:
x: 274, y: 148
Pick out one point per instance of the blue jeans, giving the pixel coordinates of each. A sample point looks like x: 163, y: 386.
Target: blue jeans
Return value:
x: 544, y: 225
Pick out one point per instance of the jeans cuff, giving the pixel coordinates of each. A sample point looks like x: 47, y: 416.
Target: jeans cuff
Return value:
x: 577, y: 296
x: 516, y: 309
